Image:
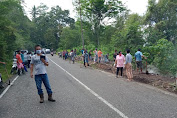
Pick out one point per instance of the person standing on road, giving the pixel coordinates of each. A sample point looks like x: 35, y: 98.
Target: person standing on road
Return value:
x: 1, y: 82
x: 96, y: 55
x: 86, y: 58
x: 19, y: 62
x: 99, y: 55
x: 75, y: 52
x: 29, y: 59
x: 72, y: 54
x: 128, y: 66
x: 138, y: 60
x: 90, y: 55
x: 114, y: 55
x: 63, y: 54
x: 119, y: 63
x: 39, y: 63
x: 66, y: 54
x: 23, y: 59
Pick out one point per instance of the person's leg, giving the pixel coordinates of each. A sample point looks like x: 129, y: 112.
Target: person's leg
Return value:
x: 19, y: 68
x: 137, y: 66
x: 84, y: 61
x: 131, y: 73
x: 47, y: 86
x: 127, y: 70
x: 121, y: 71
x: 141, y: 66
x: 96, y: 58
x: 38, y: 80
x: 46, y: 83
x: 117, y: 73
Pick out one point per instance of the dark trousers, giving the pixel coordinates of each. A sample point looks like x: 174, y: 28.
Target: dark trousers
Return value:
x: 29, y: 63
x: 121, y: 69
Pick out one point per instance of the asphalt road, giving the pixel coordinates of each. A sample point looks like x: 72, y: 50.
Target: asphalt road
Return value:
x: 86, y: 93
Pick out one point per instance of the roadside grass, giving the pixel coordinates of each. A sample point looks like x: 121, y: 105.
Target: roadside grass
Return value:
x: 3, y: 71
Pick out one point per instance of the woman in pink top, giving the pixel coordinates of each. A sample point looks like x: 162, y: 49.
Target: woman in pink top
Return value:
x: 119, y: 63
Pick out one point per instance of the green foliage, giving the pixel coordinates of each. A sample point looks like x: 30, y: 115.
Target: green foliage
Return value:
x: 163, y: 56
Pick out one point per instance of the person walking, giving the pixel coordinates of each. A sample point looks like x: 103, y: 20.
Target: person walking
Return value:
x: 99, y: 55
x: 39, y: 63
x: 138, y: 60
x: 96, y: 55
x: 128, y: 66
x: 19, y: 62
x: 119, y: 63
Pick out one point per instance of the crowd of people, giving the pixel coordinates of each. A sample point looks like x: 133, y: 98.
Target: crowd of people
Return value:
x: 120, y: 61
x: 39, y: 61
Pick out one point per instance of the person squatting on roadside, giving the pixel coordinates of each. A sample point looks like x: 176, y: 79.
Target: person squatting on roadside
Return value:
x: 119, y: 63
x: 39, y: 63
x: 19, y: 62
x: 128, y: 66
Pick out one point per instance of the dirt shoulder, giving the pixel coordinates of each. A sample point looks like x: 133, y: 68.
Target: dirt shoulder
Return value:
x: 159, y: 81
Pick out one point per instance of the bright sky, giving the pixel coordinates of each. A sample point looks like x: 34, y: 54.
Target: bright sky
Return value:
x: 136, y: 6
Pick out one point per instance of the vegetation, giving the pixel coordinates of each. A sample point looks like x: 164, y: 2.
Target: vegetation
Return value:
x: 107, y: 25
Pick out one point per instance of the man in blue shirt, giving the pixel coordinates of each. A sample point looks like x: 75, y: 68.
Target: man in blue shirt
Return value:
x: 138, y: 59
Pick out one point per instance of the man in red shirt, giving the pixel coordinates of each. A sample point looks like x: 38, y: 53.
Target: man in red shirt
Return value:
x: 19, y: 62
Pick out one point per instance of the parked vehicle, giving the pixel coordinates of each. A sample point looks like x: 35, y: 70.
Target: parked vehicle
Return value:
x: 14, y: 66
x: 47, y: 51
x: 25, y: 56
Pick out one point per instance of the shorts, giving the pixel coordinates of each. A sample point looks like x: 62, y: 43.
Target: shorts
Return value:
x: 20, y: 65
x: 139, y: 64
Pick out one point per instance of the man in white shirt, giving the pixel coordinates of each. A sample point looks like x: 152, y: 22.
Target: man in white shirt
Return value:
x: 39, y: 63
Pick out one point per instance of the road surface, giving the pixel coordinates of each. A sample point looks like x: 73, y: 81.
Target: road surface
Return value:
x: 85, y: 93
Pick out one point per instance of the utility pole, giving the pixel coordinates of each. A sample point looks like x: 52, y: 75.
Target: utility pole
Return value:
x: 82, y: 36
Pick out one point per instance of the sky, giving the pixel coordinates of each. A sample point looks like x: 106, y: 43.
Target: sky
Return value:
x: 136, y: 6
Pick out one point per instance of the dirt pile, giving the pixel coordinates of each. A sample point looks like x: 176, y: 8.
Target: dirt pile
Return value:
x: 165, y: 83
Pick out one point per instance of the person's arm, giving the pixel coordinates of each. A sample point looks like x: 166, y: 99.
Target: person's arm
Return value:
x: 2, y: 62
x: 31, y: 68
x: 126, y: 59
x: 45, y: 61
x: 115, y: 62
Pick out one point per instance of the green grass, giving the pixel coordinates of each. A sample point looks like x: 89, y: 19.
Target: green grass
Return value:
x: 3, y: 71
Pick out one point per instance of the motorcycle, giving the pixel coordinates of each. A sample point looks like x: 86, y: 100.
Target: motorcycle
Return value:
x: 52, y: 53
x: 14, y: 67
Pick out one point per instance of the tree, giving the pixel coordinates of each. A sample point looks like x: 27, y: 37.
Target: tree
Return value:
x: 161, y: 17
x: 96, y: 11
